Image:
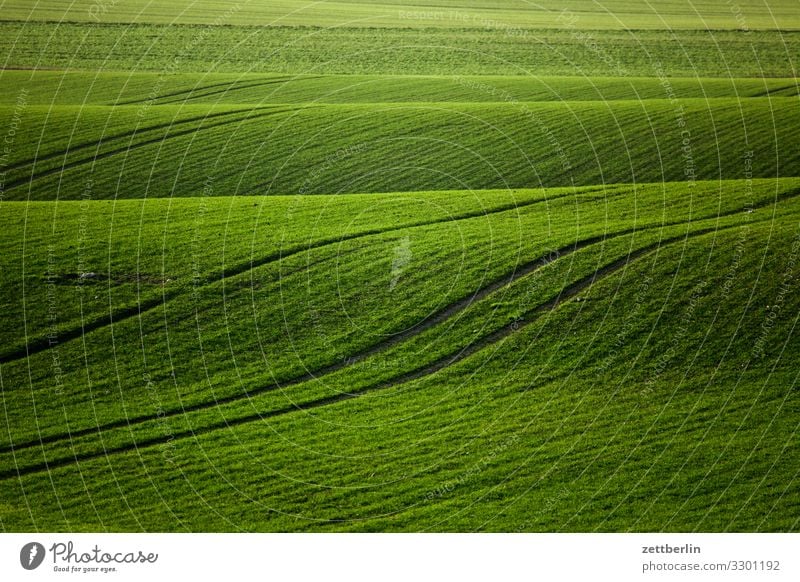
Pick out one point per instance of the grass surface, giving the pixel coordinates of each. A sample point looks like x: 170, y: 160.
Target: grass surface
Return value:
x: 137, y: 88
x: 289, y: 358
x: 177, y: 150
x: 346, y: 266
x: 512, y: 16
x: 402, y: 51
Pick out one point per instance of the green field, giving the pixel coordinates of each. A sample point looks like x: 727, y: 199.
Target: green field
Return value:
x: 313, y: 50
x: 357, y: 266
x: 512, y: 15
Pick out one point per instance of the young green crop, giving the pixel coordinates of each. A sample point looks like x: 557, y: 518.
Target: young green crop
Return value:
x: 526, y: 406
x: 372, y: 148
x: 147, y: 89
x: 242, y: 326
x: 513, y: 18
x: 170, y: 49
x: 348, y: 266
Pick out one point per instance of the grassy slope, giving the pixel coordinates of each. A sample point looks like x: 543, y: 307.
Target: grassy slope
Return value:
x: 606, y: 357
x: 347, y: 313
x: 191, y: 242
x: 137, y: 88
x: 258, y: 135
x: 513, y: 15
x: 500, y: 401
x: 402, y: 51
x: 369, y: 147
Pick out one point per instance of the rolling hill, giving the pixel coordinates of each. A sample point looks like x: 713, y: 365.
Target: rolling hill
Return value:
x: 380, y: 267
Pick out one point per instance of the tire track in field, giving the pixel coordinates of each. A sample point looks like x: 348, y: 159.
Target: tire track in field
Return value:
x: 775, y: 92
x: 126, y: 313
x: 492, y: 338
x: 42, y: 344
x: 189, y: 91
x: 119, y: 136
x: 115, y: 137
x: 430, y: 322
x: 614, y: 190
x: 138, y: 145
x: 437, y: 318
x: 235, y: 87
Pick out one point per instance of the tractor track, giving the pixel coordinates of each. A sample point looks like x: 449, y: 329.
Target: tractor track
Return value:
x: 41, y: 344
x: 498, y: 335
